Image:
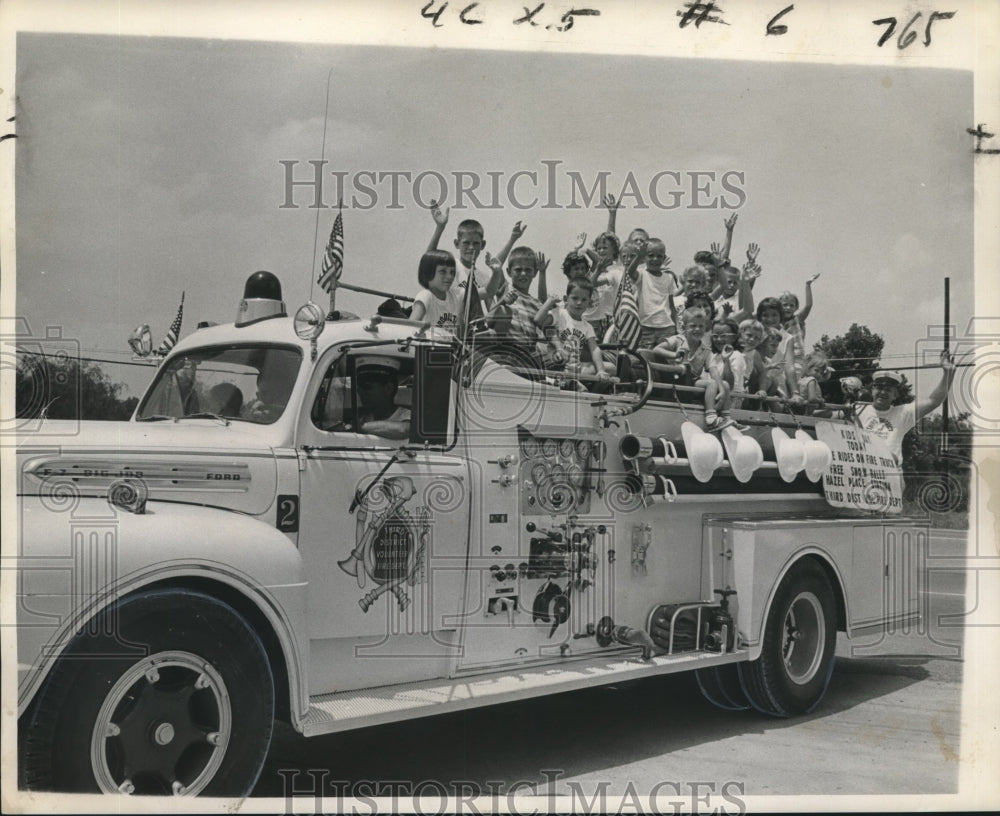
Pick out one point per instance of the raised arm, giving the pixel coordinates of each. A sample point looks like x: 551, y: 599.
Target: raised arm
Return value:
x: 612, y: 205
x: 515, y: 233
x: 804, y: 311
x: 496, y: 283
x: 598, y: 267
x: 730, y: 224
x: 937, y: 396
x: 541, y: 264
x: 440, y: 222
x: 720, y: 267
x: 745, y: 300
x: 633, y: 268
x: 752, y: 252
x: 543, y: 286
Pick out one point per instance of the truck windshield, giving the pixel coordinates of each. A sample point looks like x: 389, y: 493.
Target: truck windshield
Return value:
x: 247, y: 383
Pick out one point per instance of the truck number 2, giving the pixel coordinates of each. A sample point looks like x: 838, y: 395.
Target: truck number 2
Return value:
x: 288, y: 514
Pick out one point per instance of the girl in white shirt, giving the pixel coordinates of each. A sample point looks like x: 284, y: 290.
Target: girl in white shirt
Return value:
x: 438, y: 303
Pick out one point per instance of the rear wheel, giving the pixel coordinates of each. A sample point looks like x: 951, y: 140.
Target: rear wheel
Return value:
x: 793, y: 671
x: 167, y: 693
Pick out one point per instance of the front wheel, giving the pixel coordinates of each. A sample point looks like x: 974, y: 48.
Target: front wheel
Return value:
x: 167, y: 693
x: 800, y: 636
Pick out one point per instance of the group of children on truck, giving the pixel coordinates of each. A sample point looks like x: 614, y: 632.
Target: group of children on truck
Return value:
x: 705, y: 320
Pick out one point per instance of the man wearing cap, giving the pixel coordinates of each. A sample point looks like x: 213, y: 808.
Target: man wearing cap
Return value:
x: 890, y: 421
x: 377, y: 382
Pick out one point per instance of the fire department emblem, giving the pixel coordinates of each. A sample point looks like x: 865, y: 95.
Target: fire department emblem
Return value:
x: 390, y: 543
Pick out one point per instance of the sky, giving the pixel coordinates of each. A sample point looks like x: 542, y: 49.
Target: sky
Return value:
x: 147, y: 167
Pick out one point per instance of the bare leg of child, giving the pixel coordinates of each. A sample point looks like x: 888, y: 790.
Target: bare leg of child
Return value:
x: 711, y: 397
x: 724, y: 400
x: 723, y: 403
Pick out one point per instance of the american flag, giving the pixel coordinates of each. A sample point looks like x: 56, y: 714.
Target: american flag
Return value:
x: 333, y: 259
x: 173, y: 332
x: 470, y: 321
x: 627, y: 314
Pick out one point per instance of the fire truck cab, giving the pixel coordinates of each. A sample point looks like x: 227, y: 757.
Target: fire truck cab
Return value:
x: 243, y: 548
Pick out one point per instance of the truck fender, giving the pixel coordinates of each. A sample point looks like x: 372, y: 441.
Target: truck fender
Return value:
x: 756, y: 627
x: 74, y: 564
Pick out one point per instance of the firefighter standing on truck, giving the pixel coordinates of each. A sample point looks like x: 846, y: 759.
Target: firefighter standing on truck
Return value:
x: 892, y: 422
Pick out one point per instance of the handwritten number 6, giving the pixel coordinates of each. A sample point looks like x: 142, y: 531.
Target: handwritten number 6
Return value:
x: 906, y: 38
x: 778, y: 29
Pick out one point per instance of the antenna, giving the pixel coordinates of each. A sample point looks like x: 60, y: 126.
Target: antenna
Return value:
x: 322, y: 157
x: 947, y: 348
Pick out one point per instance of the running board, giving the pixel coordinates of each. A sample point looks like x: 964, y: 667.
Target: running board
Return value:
x: 360, y: 708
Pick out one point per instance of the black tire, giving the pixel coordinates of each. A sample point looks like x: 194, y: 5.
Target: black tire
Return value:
x: 720, y: 685
x: 169, y: 692
x: 800, y: 636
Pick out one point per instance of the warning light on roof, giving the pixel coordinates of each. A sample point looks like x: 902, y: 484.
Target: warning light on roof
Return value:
x: 261, y: 299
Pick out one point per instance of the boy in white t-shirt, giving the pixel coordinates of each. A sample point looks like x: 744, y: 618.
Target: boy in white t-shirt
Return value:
x: 656, y: 285
x: 470, y: 241
x: 571, y: 336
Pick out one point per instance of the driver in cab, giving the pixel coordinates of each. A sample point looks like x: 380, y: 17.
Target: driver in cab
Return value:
x: 377, y: 383
x: 274, y: 385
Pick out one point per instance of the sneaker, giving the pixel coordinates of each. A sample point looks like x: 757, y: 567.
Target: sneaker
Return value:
x: 722, y: 422
x: 711, y: 421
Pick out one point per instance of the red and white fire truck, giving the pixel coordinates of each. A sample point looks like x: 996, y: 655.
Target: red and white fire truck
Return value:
x: 189, y: 575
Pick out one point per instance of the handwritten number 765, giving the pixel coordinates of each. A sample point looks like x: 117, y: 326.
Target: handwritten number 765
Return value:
x: 907, y: 35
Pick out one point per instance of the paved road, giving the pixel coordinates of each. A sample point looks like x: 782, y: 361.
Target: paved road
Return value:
x: 889, y: 724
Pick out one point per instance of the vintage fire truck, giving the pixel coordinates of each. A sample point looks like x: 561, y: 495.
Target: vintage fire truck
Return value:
x: 243, y: 549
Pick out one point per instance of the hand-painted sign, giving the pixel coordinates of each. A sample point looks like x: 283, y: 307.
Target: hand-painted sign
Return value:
x: 862, y: 474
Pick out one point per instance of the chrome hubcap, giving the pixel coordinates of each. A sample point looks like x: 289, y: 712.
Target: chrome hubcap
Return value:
x: 804, y: 637
x: 163, y: 728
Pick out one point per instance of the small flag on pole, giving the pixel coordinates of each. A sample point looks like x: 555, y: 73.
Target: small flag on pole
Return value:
x: 173, y: 332
x: 627, y: 314
x: 333, y: 258
x: 471, y: 319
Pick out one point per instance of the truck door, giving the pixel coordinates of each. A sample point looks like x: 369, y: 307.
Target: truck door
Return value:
x: 382, y: 532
